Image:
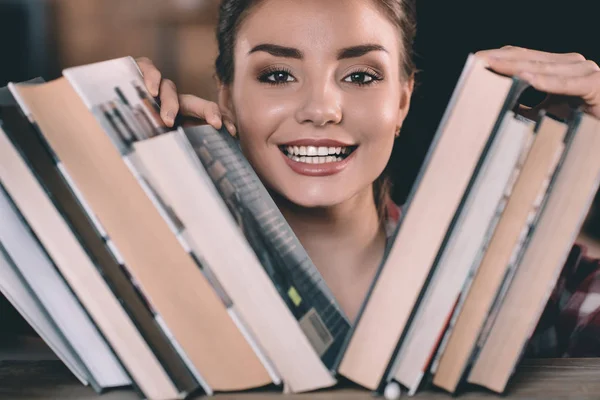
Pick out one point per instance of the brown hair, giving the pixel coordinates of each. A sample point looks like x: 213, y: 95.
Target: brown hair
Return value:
x: 401, y: 13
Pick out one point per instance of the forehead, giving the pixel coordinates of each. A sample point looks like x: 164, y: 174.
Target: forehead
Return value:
x: 317, y: 26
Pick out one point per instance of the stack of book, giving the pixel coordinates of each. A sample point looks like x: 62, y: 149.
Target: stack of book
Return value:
x: 155, y: 257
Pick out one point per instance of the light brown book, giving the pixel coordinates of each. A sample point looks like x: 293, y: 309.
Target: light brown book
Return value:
x: 474, y: 110
x: 167, y: 275
x: 570, y: 197
x: 529, y: 187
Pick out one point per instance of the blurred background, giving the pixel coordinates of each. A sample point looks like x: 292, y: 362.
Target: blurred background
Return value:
x: 41, y: 37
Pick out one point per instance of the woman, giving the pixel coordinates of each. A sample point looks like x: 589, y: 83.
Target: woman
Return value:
x: 316, y: 106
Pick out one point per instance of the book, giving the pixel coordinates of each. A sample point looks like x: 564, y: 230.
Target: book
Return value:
x: 53, y: 309
x: 19, y: 294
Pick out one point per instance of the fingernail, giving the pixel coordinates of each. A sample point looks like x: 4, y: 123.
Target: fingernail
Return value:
x: 231, y: 128
x: 170, y: 118
x: 214, y: 121
x: 154, y: 91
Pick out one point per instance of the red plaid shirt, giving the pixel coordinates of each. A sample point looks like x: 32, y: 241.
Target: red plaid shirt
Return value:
x: 570, y: 324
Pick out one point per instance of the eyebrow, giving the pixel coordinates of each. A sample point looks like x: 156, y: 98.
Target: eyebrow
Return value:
x: 357, y: 51
x: 291, y: 52
x: 278, y: 51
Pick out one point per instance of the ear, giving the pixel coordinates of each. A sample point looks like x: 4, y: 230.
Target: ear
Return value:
x: 225, y: 102
x: 406, y: 94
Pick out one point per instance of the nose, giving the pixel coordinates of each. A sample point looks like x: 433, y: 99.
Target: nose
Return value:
x: 321, y: 106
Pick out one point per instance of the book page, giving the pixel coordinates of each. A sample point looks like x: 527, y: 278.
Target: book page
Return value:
x: 115, y: 92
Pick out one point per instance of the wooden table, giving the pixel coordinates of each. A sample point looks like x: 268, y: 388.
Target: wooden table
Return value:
x: 535, y: 379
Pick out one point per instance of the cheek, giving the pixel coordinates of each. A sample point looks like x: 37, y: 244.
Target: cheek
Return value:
x: 375, y: 116
x: 260, y: 113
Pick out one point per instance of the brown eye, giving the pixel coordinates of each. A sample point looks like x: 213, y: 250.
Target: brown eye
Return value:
x: 280, y: 77
x: 363, y: 77
x: 360, y: 78
x: 276, y: 77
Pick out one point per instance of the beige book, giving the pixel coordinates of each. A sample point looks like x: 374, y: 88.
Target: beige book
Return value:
x: 216, y: 236
x: 529, y: 187
x: 166, y: 273
x: 82, y: 275
x: 475, y: 107
x: 569, y: 200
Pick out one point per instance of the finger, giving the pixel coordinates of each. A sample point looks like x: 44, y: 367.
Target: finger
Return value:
x: 194, y: 106
x: 514, y: 52
x: 518, y: 66
x: 151, y: 74
x: 586, y: 87
x: 169, y: 102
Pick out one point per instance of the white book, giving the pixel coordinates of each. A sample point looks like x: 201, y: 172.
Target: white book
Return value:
x: 20, y: 295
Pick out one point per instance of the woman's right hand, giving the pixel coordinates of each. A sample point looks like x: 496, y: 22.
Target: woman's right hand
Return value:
x: 172, y: 103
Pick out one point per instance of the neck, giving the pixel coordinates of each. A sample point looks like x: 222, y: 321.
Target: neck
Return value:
x: 346, y: 243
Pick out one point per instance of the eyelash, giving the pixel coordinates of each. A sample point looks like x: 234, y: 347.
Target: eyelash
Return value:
x: 266, y: 74
x: 374, y: 75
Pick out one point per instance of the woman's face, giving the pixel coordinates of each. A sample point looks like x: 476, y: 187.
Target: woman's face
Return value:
x: 317, y: 96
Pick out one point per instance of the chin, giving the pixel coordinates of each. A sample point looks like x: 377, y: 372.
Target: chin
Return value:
x: 315, y: 197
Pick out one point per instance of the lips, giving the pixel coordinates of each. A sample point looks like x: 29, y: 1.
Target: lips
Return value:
x: 317, y: 157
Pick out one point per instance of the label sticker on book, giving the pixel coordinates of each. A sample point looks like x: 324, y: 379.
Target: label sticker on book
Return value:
x: 294, y: 296
x: 316, y: 331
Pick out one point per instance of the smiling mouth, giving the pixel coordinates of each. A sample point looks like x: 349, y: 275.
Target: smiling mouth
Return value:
x: 317, y: 154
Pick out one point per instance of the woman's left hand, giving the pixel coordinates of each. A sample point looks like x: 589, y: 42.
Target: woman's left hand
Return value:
x: 568, y: 74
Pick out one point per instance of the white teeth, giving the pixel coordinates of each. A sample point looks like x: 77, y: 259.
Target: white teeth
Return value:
x: 316, y: 151
x: 316, y: 160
